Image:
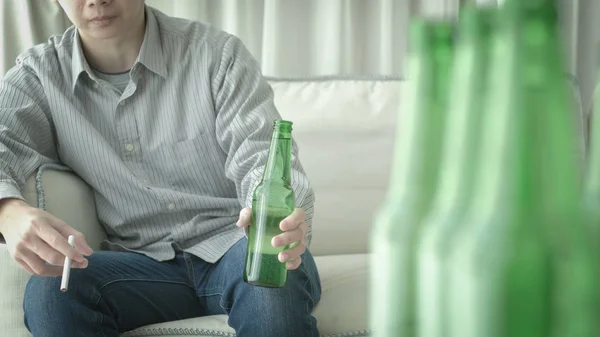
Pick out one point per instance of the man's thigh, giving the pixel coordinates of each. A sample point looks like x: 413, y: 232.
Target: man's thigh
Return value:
x: 128, y: 290
x: 220, y: 284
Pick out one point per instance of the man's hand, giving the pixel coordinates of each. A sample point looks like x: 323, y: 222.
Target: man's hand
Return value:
x: 38, y: 241
x: 294, y: 228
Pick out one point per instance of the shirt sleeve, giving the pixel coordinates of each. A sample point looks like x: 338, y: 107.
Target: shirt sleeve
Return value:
x: 245, y: 114
x: 26, y: 132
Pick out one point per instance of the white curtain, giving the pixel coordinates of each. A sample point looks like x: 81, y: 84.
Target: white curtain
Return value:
x: 290, y: 38
x: 25, y: 23
x: 296, y: 38
x: 301, y: 38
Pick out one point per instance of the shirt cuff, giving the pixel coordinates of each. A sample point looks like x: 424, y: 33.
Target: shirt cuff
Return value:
x: 8, y: 189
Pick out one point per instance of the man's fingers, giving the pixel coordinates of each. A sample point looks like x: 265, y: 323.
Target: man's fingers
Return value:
x: 79, y: 265
x: 80, y: 242
x: 304, y: 228
x: 293, y: 264
x: 58, y: 242
x: 52, y: 256
x: 245, y: 215
x: 82, y: 245
x: 287, y: 238
x: 292, y: 253
x: 39, y: 266
x: 294, y: 220
x: 290, y: 236
x: 25, y: 266
x: 47, y: 253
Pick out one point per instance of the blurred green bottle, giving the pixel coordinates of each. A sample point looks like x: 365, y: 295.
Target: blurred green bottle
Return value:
x: 459, y: 163
x: 273, y: 200
x: 591, y: 198
x: 522, y: 264
x: 414, y: 178
x: 592, y: 180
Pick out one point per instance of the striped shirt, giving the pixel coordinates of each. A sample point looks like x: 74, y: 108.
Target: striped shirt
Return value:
x: 172, y: 158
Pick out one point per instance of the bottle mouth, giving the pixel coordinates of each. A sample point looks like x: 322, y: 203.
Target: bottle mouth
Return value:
x: 283, y: 125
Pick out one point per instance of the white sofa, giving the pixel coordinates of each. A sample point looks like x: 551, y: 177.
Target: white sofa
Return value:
x: 345, y: 130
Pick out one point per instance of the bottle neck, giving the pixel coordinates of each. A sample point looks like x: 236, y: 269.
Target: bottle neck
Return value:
x: 421, y: 122
x: 529, y: 147
x: 547, y: 173
x: 278, y: 168
x: 549, y: 92
x: 494, y: 155
x: 466, y: 111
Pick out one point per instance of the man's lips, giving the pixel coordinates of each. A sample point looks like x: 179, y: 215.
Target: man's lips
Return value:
x: 103, y: 19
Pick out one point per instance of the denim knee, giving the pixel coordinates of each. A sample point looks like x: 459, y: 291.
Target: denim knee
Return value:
x: 48, y: 311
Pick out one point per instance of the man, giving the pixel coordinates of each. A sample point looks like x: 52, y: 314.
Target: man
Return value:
x: 169, y: 121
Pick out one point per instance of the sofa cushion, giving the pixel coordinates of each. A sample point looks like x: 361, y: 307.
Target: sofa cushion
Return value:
x: 342, y: 311
x: 344, y: 306
x: 345, y: 131
x: 12, y: 282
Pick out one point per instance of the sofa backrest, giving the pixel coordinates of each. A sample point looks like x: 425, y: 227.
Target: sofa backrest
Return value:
x: 345, y: 131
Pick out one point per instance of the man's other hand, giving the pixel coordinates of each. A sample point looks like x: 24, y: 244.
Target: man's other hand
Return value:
x: 294, y: 229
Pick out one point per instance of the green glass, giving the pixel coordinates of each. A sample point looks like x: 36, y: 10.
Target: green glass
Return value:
x: 413, y: 181
x: 459, y: 163
x: 273, y: 200
x: 592, y: 180
x: 554, y: 184
x: 475, y: 269
x: 522, y: 265
x: 591, y: 198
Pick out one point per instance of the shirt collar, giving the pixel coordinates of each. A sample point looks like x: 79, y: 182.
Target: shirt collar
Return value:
x: 151, y: 54
x: 78, y: 64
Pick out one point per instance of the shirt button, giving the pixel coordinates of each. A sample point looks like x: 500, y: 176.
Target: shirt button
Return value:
x: 171, y: 206
x: 122, y: 103
x: 96, y: 85
x: 129, y: 147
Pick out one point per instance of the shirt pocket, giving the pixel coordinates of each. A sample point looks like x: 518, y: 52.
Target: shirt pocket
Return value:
x: 192, y: 165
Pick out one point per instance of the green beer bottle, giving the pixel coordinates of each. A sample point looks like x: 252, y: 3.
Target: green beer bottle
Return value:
x: 478, y: 252
x: 414, y: 178
x: 555, y: 183
x: 459, y: 163
x: 522, y: 264
x: 272, y: 201
x: 591, y: 198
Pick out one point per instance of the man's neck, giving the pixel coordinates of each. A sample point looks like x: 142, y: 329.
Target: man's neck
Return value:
x: 114, y: 55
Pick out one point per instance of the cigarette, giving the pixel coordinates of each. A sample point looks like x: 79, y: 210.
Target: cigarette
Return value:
x: 67, y: 267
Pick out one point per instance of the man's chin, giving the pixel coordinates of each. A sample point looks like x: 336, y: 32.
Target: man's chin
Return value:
x: 97, y: 34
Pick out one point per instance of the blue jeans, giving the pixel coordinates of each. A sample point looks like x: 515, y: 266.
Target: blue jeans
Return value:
x: 120, y: 291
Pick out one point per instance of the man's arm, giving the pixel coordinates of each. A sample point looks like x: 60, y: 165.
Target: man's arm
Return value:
x: 245, y: 114
x: 26, y: 133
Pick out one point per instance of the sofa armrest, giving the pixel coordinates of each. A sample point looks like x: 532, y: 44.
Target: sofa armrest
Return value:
x: 66, y: 196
